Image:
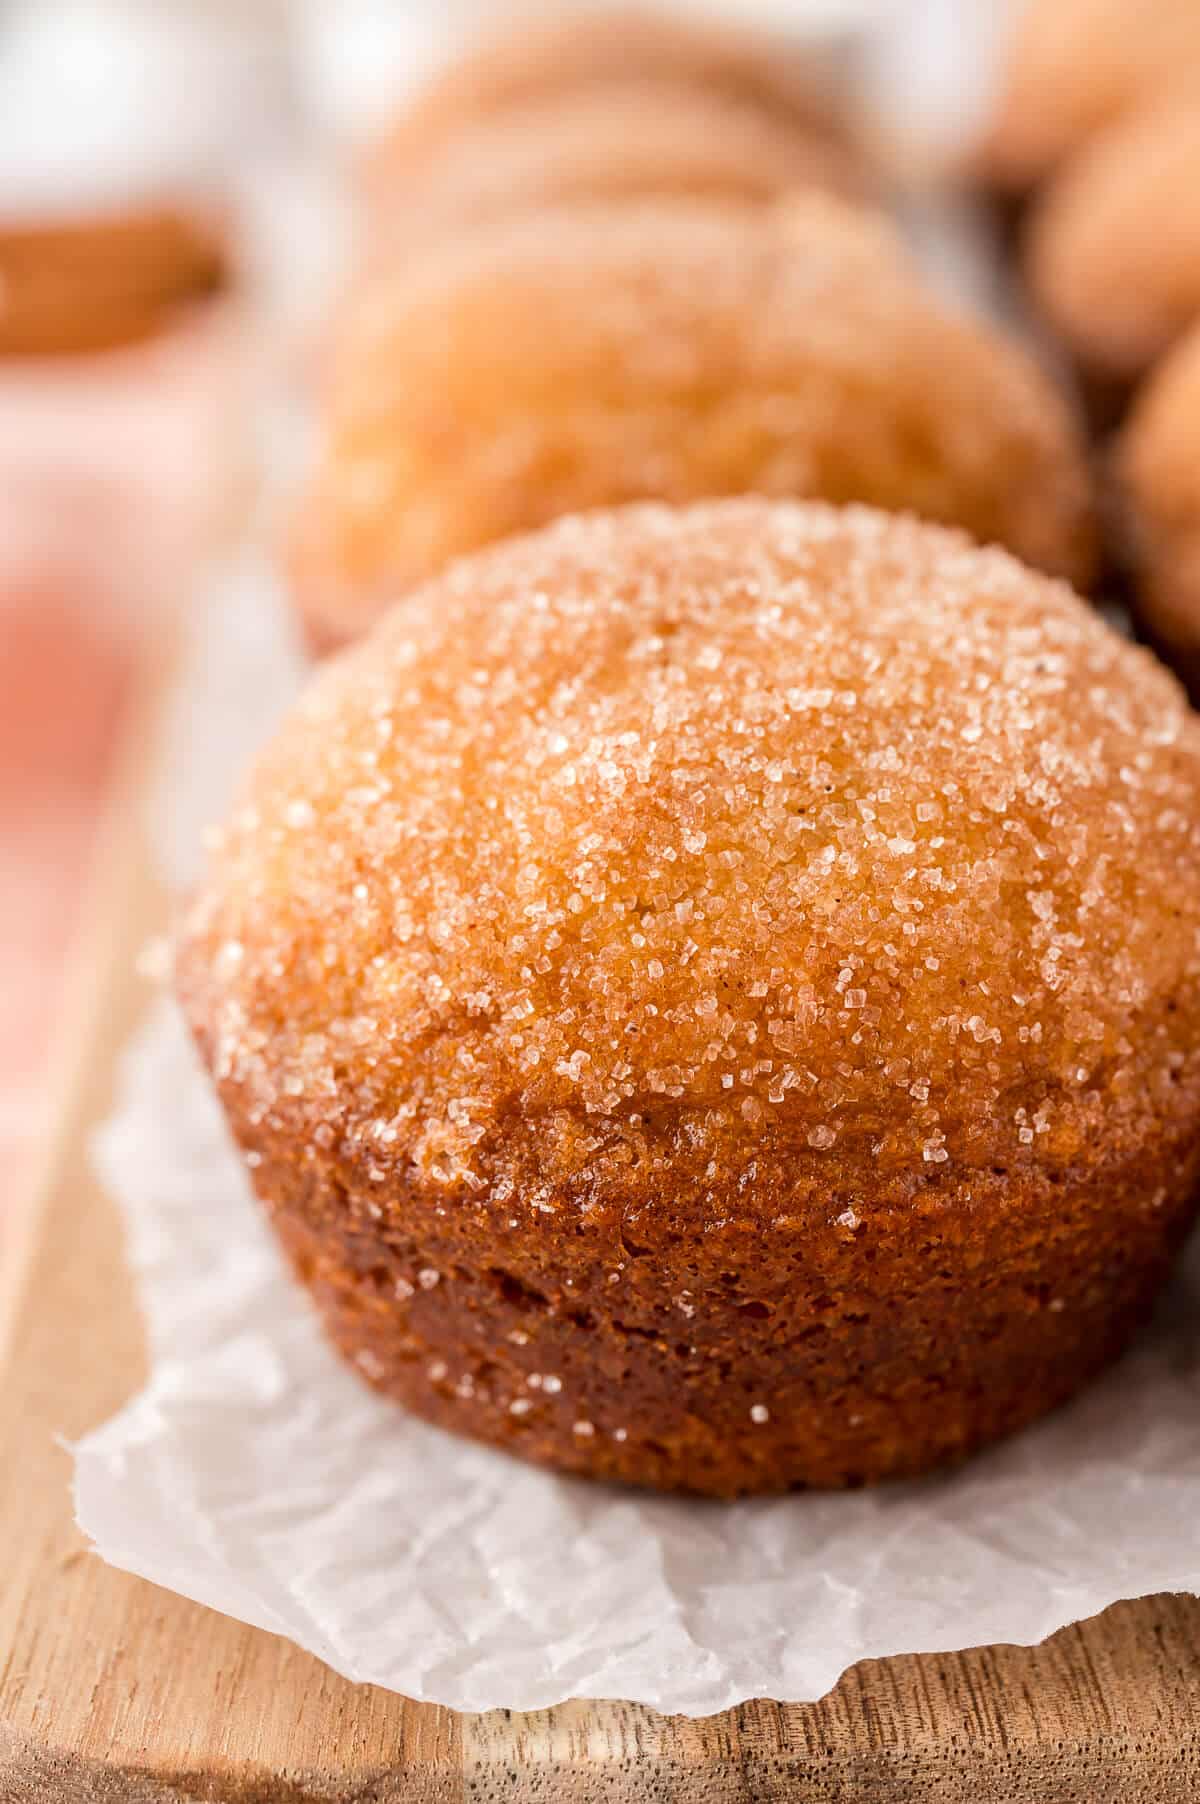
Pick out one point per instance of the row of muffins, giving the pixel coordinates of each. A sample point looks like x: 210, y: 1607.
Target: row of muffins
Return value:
x: 707, y: 990
x: 615, y: 256
x: 1096, y: 135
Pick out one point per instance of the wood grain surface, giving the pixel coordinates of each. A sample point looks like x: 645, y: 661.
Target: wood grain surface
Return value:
x: 111, y: 1689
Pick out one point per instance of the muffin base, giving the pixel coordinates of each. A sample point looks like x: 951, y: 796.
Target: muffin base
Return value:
x: 837, y: 1355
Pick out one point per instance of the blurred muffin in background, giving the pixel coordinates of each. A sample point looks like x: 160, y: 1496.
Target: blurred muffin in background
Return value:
x: 1113, y: 248
x: 547, y: 56
x: 609, y: 143
x: 121, y: 127
x: 90, y: 283
x: 1157, y: 469
x: 674, y: 351
x: 1074, y: 67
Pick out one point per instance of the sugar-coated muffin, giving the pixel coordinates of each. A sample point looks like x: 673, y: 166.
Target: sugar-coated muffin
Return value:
x: 711, y: 997
x: 1075, y: 66
x: 1113, y: 253
x: 610, y: 143
x: 557, y: 53
x: 669, y: 352
x: 86, y: 284
x: 1158, y: 483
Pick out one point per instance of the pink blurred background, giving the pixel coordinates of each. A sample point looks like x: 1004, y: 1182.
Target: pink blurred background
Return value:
x: 115, y: 466
x: 109, y: 477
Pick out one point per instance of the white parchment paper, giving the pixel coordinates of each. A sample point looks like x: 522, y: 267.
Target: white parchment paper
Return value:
x: 257, y: 1475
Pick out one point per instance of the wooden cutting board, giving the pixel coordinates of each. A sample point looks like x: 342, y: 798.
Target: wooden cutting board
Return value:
x: 111, y: 1689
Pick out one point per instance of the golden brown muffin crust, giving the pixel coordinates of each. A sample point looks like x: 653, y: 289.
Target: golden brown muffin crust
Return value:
x: 671, y: 352
x: 1113, y: 254
x: 743, y: 962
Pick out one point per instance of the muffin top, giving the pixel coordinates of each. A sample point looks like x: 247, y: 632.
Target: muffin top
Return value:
x: 739, y: 853
x: 670, y: 351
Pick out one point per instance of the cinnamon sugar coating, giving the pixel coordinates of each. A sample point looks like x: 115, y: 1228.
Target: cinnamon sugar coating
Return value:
x: 711, y: 997
x: 671, y: 352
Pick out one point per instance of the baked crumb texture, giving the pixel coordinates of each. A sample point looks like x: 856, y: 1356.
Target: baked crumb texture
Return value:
x: 711, y: 997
